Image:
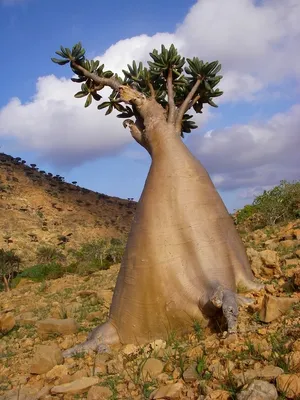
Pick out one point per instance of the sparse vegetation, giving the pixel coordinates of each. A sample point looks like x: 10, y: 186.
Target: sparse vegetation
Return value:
x: 277, y: 205
x: 9, y: 265
x: 49, y: 254
x: 96, y: 255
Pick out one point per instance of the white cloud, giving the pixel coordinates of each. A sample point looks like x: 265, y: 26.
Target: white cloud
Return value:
x: 11, y: 2
x: 57, y: 125
x: 255, y: 43
x: 247, y: 156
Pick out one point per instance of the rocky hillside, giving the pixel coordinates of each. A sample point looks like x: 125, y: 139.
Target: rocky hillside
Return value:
x: 37, y: 208
x: 262, y: 362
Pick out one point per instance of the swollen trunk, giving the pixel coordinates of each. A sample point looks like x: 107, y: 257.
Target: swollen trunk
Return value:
x: 182, y: 246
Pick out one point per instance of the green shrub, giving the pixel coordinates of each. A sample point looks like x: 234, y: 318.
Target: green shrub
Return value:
x: 49, y: 254
x: 40, y: 272
x: 243, y: 214
x: 9, y: 265
x: 97, y: 255
x: 280, y: 204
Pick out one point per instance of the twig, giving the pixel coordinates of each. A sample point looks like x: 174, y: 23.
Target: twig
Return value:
x: 172, y: 109
x: 111, y: 82
x: 152, y: 91
x: 185, y: 105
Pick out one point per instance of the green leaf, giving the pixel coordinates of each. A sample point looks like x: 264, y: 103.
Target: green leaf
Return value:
x: 60, y: 62
x: 96, y: 96
x: 88, y: 100
x: 61, y: 54
x: 80, y: 94
x: 63, y: 50
x: 79, y: 80
x: 109, y: 110
x: 108, y: 74
x: 210, y: 67
x: 207, y: 86
x: 211, y: 103
x: 103, y: 105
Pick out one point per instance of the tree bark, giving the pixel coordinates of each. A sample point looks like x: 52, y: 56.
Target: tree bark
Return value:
x: 183, y: 245
x: 6, y: 284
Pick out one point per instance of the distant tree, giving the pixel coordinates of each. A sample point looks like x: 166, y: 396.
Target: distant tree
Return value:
x: 279, y: 203
x: 74, y: 183
x: 9, y: 265
x: 184, y: 258
x: 33, y: 165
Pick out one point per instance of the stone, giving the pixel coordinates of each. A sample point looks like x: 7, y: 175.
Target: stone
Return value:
x: 191, y: 374
x: 170, y: 392
x: 275, y: 307
x: 269, y: 373
x: 22, y: 393
x: 271, y: 244
x: 52, y: 326
x: 130, y: 349
x: 26, y: 318
x: 259, y: 390
x: 289, y: 243
x: 270, y: 258
x: 293, y: 361
x: 152, y: 368
x: 217, y: 369
x: 195, y: 352
x: 289, y: 385
x: 296, y: 345
x: 297, y: 278
x: 45, y: 358
x: 78, y: 386
x: 218, y: 395
x: 99, y: 393
x: 56, y: 372
x: 7, y: 322
x: 94, y: 315
x: 71, y: 309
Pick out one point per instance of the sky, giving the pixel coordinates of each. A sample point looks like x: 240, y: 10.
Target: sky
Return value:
x: 248, y: 144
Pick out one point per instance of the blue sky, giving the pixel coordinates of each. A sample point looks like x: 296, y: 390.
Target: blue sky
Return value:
x: 249, y: 143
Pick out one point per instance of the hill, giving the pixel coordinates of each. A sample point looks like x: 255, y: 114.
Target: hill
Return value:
x: 38, y: 208
x: 261, y: 362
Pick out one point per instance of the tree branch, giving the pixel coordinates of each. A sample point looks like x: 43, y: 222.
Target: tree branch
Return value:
x: 152, y: 91
x: 111, y: 82
x: 172, y: 108
x: 185, y: 105
x: 193, y: 101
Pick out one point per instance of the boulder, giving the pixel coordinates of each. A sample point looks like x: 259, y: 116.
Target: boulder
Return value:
x: 78, y: 386
x: 45, y: 358
x: 259, y: 390
x: 274, y: 307
x: 52, y: 326
x: 7, y: 322
x: 172, y: 391
x: 289, y: 385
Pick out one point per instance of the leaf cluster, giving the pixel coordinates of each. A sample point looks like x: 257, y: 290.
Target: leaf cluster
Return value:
x: 148, y: 79
x: 9, y: 262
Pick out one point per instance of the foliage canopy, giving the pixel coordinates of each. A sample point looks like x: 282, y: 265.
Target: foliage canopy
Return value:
x: 178, y: 84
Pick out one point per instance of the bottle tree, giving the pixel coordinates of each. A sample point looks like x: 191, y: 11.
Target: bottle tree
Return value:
x: 184, y: 258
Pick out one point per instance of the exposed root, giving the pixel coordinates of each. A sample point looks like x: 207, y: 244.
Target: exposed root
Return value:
x: 98, y: 340
x: 227, y: 300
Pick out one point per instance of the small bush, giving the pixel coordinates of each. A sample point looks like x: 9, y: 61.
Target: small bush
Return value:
x: 40, y: 272
x: 243, y: 214
x: 280, y: 204
x: 97, y: 255
x: 9, y: 265
x: 48, y: 255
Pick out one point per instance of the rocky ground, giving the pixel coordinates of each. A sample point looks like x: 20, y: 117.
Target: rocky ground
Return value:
x: 39, y: 320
